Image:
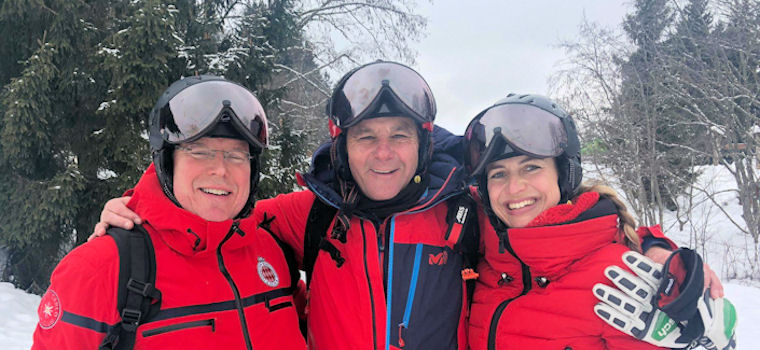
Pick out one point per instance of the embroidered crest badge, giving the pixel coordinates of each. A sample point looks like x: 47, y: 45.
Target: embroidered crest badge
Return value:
x: 49, y: 310
x: 267, y: 273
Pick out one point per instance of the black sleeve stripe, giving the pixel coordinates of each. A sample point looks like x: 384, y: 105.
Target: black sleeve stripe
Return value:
x: 85, y: 322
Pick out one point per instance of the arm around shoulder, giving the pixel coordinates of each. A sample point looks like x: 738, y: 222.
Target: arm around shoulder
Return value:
x: 285, y: 216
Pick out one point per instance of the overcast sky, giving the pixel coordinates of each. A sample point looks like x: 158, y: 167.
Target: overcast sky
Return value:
x: 477, y: 51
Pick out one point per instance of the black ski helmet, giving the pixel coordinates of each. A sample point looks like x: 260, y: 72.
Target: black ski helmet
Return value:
x: 205, y: 106
x: 380, y: 89
x: 530, y: 125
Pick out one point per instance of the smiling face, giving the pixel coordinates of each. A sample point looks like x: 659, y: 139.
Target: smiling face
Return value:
x: 382, y: 155
x: 520, y: 188
x: 214, y: 189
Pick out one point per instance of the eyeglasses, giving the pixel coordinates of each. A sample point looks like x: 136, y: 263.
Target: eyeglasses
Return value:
x: 206, y: 154
x: 198, y: 108
x: 369, y: 88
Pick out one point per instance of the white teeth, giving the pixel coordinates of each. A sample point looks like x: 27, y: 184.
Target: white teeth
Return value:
x: 522, y: 204
x: 215, y: 191
x: 383, y: 172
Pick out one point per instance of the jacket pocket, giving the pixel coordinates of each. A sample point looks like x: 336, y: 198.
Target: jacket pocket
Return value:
x: 274, y: 307
x: 180, y: 326
x: 430, y: 279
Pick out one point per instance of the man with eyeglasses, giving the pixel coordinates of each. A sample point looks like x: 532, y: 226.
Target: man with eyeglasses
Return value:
x: 221, y: 282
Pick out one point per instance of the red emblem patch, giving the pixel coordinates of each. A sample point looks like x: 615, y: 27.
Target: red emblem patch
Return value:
x: 49, y: 310
x: 267, y: 273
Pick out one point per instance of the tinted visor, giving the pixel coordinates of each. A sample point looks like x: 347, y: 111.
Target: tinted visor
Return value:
x: 513, y: 128
x: 356, y: 98
x: 194, y: 111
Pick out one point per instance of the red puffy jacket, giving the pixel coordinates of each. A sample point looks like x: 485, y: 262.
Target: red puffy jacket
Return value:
x: 221, y: 287
x: 543, y: 298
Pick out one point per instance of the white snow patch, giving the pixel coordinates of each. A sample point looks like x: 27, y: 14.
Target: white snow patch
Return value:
x: 105, y: 174
x: 18, y: 317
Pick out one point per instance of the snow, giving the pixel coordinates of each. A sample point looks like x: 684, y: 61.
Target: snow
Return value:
x: 18, y: 317
x: 105, y: 174
x: 725, y: 249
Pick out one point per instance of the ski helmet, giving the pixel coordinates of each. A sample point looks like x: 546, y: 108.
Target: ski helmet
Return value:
x: 206, y: 106
x: 380, y: 89
x: 531, y: 125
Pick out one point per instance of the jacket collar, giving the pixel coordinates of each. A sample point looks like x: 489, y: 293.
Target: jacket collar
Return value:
x: 183, y: 231
x: 567, y: 233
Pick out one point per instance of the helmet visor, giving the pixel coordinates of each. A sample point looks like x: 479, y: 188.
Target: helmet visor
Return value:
x: 357, y: 94
x: 508, y: 128
x: 194, y: 111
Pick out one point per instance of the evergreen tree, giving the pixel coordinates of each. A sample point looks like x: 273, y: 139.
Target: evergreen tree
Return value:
x: 80, y: 77
x: 642, y: 109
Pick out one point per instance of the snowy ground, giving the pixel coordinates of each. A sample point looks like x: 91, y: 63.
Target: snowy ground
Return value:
x: 707, y: 229
x: 18, y: 315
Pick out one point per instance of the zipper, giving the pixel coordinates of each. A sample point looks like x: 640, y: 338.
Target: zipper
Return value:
x: 384, y: 240
x: 369, y: 284
x: 527, y: 285
x: 175, y: 327
x: 495, y: 322
x: 238, y: 302
x: 526, y: 275
x: 388, y: 279
x: 410, y: 297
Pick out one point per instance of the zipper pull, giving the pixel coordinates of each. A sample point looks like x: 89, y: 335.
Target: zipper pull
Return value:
x: 401, y: 342
x: 469, y: 274
x: 236, y: 228
x: 505, y: 279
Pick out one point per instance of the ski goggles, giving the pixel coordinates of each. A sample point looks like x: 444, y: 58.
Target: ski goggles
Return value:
x: 514, y: 128
x: 367, y: 89
x: 194, y: 112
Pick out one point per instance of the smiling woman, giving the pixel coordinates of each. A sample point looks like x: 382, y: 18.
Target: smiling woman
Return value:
x: 549, y: 241
x: 522, y: 187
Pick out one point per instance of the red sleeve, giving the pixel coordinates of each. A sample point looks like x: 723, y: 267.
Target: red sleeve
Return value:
x: 288, y: 214
x: 655, y: 232
x: 80, y: 303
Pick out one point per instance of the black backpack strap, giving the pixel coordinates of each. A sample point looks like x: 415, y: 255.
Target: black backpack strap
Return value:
x: 320, y: 217
x: 463, y: 235
x: 138, y: 300
x: 290, y: 258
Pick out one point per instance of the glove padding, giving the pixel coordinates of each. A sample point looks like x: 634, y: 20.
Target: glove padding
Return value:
x: 719, y: 318
x: 632, y: 311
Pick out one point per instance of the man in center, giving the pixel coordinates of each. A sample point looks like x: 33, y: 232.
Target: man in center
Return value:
x: 384, y: 277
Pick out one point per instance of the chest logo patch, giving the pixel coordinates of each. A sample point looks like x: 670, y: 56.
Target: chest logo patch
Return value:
x: 267, y: 273
x: 438, y: 259
x: 49, y: 310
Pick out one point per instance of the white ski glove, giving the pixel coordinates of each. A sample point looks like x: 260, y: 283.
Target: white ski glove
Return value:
x: 719, y: 318
x: 633, y: 310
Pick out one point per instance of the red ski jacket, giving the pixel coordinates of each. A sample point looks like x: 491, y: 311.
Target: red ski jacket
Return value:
x: 399, y: 285
x: 541, y: 297
x: 224, y: 285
